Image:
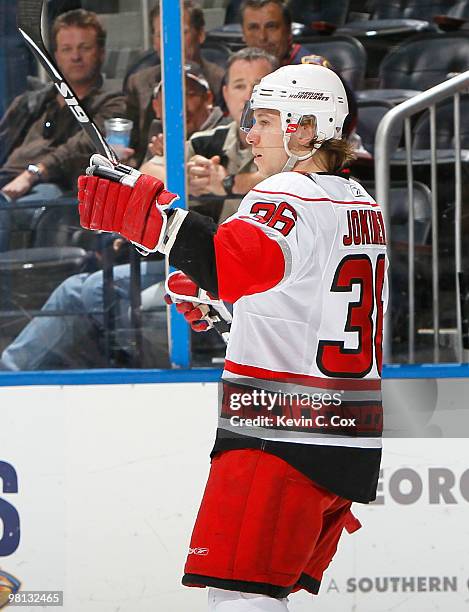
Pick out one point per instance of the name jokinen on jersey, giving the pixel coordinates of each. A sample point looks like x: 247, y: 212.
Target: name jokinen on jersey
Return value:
x: 303, y: 261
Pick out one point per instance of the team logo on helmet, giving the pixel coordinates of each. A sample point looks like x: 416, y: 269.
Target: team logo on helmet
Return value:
x: 9, y: 585
x: 310, y: 95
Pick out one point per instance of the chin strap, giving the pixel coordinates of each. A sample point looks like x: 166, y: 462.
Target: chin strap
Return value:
x: 294, y: 159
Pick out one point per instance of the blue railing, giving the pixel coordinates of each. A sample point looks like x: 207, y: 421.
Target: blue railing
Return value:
x: 174, y: 135
x: 194, y: 375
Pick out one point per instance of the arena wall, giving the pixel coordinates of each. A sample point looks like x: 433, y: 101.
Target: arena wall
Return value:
x: 100, y: 484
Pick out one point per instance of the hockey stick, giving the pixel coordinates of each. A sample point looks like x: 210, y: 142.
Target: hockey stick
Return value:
x: 29, y: 25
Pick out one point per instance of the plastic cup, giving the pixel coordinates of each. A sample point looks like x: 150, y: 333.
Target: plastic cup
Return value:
x: 118, y: 131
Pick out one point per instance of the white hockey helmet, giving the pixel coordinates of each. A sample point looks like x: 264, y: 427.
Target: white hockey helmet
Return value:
x: 298, y: 91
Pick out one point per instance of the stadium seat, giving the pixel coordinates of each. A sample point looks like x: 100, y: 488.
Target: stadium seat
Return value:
x: 118, y: 61
x: 369, y: 116
x: 28, y: 277
x: 459, y: 10
x: 333, y: 12
x: 58, y: 248
x: 59, y: 226
x: 345, y: 53
x: 444, y: 126
x: 400, y: 212
x: 103, y: 6
x: 208, y: 4
x: 54, y: 247
x: 232, y: 13
x: 123, y: 29
x: 409, y: 9
x: 393, y: 96
x: 420, y: 63
x: 392, y: 21
x: 403, y: 16
x: 214, y: 17
x: 215, y: 52
x: 384, y: 28
x: 454, y: 18
x: 231, y: 34
x: 426, y: 60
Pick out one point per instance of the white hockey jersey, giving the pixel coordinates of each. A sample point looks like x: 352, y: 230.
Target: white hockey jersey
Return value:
x: 334, y: 252
x: 318, y: 332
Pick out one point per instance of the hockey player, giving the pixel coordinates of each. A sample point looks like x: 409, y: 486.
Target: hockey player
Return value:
x: 303, y: 262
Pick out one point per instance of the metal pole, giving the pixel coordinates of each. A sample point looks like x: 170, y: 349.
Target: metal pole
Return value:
x: 411, y: 239
x: 42, y: 74
x: 109, y: 301
x: 435, y: 264
x: 408, y: 108
x: 146, y: 24
x: 382, y: 180
x: 136, y: 308
x: 457, y: 222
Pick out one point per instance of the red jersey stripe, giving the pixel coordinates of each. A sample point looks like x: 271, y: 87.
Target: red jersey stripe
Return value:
x: 362, y: 384
x: 292, y: 195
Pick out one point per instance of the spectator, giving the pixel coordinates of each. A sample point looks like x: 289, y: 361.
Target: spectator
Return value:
x: 266, y: 24
x: 151, y: 58
x: 140, y: 85
x: 219, y: 162
x: 201, y: 114
x: 45, y: 148
x: 81, y: 295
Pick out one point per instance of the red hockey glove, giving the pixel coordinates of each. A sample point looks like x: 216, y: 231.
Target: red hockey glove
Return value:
x: 122, y: 200
x: 200, y: 309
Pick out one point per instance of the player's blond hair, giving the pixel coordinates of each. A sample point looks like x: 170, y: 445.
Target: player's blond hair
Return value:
x: 336, y: 153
